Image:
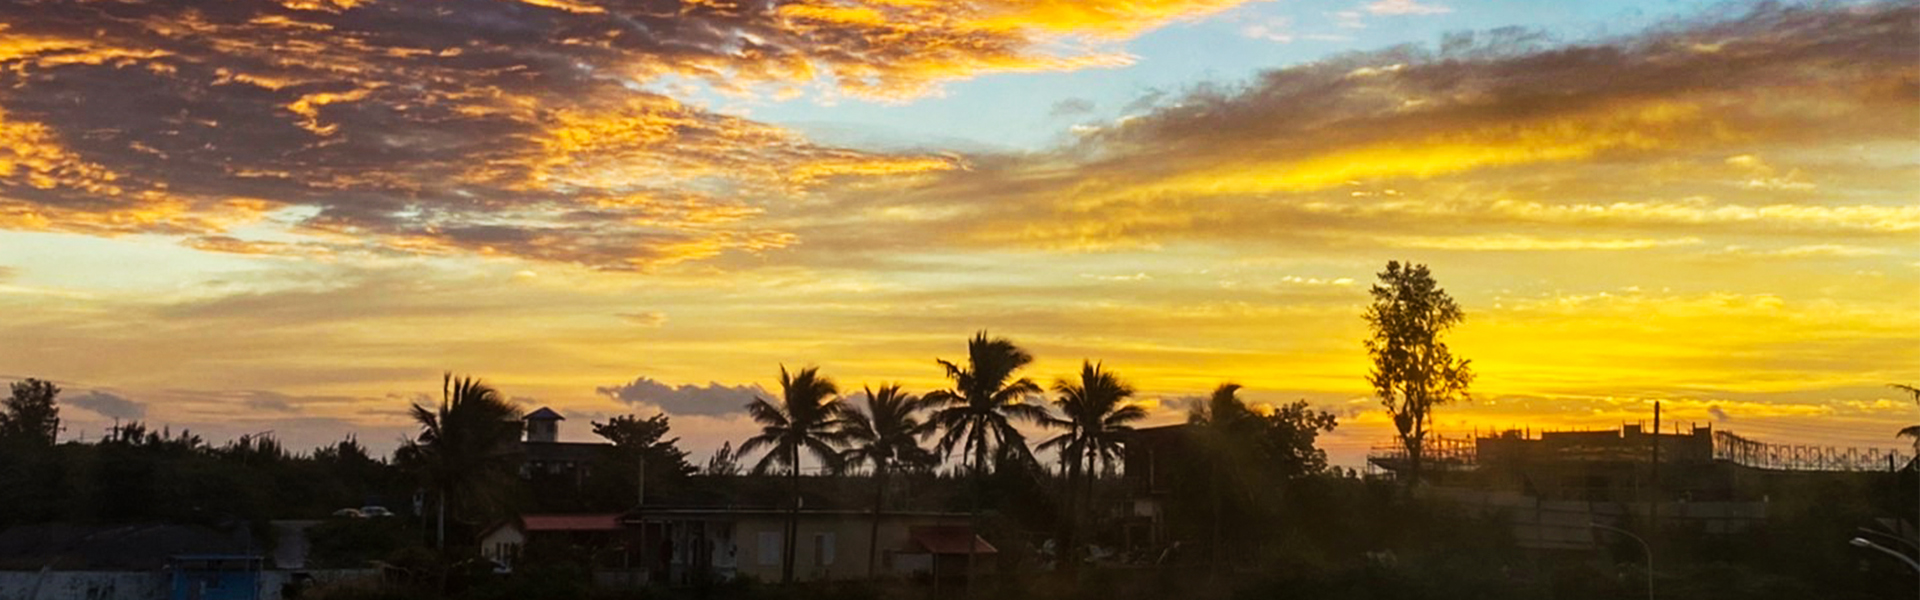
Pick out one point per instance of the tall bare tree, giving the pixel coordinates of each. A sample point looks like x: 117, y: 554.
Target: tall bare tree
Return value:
x: 1413, y: 370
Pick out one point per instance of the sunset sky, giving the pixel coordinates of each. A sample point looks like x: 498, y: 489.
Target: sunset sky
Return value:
x: 245, y: 216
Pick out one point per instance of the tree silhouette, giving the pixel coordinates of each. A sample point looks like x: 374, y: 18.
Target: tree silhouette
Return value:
x: 1095, y: 423
x: 31, y: 415
x: 1413, y: 371
x: 638, y: 448
x: 1221, y: 423
x: 807, y: 418
x: 1250, y: 459
x: 978, y: 413
x: 466, y: 447
x: 1910, y: 431
x: 886, y: 436
x: 723, y: 462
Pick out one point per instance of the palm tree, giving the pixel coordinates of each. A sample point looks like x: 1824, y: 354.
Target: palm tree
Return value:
x: 979, y: 412
x: 1220, y: 424
x: 807, y: 418
x: 1095, y: 422
x: 1910, y: 431
x: 466, y: 446
x: 886, y: 436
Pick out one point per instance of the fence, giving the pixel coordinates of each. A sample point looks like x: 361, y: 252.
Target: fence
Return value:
x: 1450, y: 452
x: 1786, y: 457
x: 137, y: 585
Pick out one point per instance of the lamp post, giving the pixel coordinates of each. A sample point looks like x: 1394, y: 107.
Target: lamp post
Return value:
x: 1643, y: 546
x: 1861, y: 542
x: 1907, y: 542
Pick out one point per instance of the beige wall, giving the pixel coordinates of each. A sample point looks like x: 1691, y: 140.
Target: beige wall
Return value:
x: 849, y: 534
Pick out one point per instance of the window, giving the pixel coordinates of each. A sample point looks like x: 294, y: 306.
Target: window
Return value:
x: 769, y: 554
x: 823, y: 546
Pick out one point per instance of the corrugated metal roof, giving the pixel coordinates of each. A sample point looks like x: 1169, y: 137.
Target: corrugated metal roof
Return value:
x: 588, y: 522
x: 948, y: 540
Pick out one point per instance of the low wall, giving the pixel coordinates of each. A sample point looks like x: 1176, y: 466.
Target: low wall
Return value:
x: 1566, y: 524
x: 137, y: 585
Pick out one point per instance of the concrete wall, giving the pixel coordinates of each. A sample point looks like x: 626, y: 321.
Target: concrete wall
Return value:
x: 135, y: 585
x: 850, y: 535
x: 83, y: 585
x: 1566, y: 524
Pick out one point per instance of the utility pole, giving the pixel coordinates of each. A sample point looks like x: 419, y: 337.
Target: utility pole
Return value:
x: 1653, y: 508
x: 640, y: 510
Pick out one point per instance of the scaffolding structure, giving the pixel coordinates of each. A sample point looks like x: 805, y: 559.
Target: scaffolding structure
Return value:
x: 1438, y: 452
x: 1791, y: 457
x: 1442, y: 452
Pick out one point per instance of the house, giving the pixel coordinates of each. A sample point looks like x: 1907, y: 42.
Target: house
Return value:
x: 1154, y: 457
x: 543, y: 455
x: 507, y: 542
x: 215, y: 577
x: 831, y: 544
x: 683, y: 545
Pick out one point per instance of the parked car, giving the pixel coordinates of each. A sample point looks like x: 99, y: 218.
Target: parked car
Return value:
x: 350, y: 513
x: 375, y: 511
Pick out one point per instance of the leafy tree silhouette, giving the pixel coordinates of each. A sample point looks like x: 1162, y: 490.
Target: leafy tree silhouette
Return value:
x: 1413, y: 371
x: 31, y: 415
x: 639, y: 448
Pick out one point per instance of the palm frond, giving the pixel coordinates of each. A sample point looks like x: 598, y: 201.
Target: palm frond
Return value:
x: 1910, y: 390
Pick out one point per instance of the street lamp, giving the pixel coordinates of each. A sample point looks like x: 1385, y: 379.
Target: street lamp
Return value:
x: 1907, y: 542
x: 1861, y: 542
x: 1643, y: 547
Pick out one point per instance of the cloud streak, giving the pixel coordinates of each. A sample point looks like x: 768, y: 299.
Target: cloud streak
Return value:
x: 1643, y: 134
x: 686, y: 399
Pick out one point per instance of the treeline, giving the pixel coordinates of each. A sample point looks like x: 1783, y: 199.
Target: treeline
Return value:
x: 138, y: 474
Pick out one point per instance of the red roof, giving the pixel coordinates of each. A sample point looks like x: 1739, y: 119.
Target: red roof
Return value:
x: 593, y: 522
x: 947, y: 539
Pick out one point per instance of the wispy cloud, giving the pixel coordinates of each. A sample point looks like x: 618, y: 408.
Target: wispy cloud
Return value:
x: 1405, y: 7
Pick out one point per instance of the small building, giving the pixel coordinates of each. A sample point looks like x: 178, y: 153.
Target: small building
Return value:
x: 543, y: 425
x: 942, y: 550
x: 545, y: 457
x: 1153, y: 457
x: 506, y: 542
x: 687, y: 543
x: 677, y: 546
x: 215, y: 577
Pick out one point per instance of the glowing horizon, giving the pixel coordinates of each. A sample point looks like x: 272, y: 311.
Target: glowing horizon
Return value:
x: 295, y: 216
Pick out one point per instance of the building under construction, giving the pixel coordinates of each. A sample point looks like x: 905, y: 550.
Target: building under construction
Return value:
x: 1552, y: 485
x: 1628, y: 464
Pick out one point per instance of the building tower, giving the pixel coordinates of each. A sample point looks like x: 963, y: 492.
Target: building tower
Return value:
x: 543, y: 425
